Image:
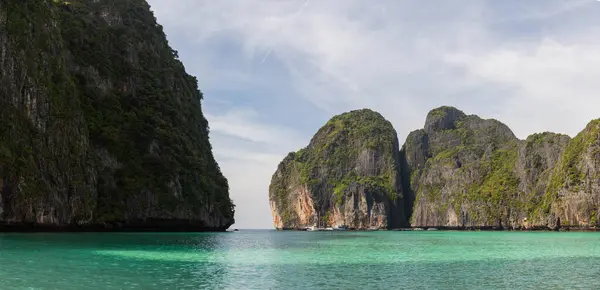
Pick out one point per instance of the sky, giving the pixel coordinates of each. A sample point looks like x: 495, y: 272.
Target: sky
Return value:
x: 274, y: 71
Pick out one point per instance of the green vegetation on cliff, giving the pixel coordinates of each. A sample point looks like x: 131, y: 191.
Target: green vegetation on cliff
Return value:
x: 127, y: 136
x: 42, y: 150
x: 338, y: 145
x: 478, y: 166
x: 499, y: 185
x: 570, y: 173
x: 458, y: 171
x: 351, y: 164
x: 150, y: 120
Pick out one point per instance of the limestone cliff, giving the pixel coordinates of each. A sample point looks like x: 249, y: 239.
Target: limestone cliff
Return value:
x: 471, y: 172
x: 347, y: 175
x: 459, y: 171
x: 573, y: 194
x: 100, y: 125
x: 465, y: 157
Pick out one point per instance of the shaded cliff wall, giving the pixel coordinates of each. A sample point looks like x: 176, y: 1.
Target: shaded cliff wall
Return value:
x: 464, y: 171
x: 100, y: 122
x: 573, y: 194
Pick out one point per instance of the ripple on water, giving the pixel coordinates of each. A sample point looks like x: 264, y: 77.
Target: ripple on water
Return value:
x: 292, y: 260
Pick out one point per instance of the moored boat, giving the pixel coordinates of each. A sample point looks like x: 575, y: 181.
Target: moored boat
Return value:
x: 340, y: 228
x: 313, y: 228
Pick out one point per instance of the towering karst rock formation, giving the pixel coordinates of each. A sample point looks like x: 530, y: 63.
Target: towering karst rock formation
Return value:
x: 459, y: 171
x: 471, y: 172
x: 347, y: 175
x: 573, y: 193
x: 100, y: 125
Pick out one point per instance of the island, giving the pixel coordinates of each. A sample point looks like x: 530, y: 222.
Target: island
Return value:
x: 459, y: 172
x: 101, y: 126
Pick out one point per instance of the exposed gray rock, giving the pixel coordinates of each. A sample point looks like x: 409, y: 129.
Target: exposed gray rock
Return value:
x: 347, y: 175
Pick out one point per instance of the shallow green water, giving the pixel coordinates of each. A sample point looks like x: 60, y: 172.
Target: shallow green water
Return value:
x: 301, y: 260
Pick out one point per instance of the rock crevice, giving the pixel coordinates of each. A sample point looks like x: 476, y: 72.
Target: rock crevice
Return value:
x: 347, y: 175
x: 459, y: 171
x: 101, y: 125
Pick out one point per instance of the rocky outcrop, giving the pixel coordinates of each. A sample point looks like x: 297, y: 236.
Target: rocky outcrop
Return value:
x: 538, y: 155
x: 100, y: 125
x: 460, y: 171
x: 468, y: 172
x: 347, y: 175
x: 465, y: 157
x: 573, y: 194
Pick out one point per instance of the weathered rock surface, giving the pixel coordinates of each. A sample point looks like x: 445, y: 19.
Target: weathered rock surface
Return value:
x: 474, y: 173
x: 573, y: 194
x: 100, y: 125
x: 347, y: 175
x: 465, y: 155
x: 459, y: 171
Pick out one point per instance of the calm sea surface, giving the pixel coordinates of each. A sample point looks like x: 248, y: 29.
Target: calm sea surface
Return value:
x: 301, y: 260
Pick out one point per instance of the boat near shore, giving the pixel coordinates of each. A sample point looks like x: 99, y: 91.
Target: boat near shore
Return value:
x: 314, y: 228
x: 340, y: 228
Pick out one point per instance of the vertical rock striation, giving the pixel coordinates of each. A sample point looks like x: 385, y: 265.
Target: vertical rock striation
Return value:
x: 573, y: 194
x: 347, y: 175
x: 459, y: 171
x: 100, y: 125
x: 452, y: 178
x: 474, y: 173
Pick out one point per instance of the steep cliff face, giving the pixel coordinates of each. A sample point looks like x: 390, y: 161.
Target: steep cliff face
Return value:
x: 573, y: 194
x: 459, y: 171
x: 101, y: 125
x: 538, y: 155
x: 467, y: 176
x: 44, y: 149
x: 347, y: 175
x: 470, y: 172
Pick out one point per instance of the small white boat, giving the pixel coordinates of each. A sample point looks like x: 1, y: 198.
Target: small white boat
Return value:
x: 312, y: 229
x: 340, y: 228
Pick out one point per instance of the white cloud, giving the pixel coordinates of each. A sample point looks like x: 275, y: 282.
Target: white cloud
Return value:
x: 239, y: 123
x: 531, y: 64
x: 248, y: 152
x: 555, y: 86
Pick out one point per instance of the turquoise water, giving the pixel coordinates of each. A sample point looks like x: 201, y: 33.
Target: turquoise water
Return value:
x: 301, y: 260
